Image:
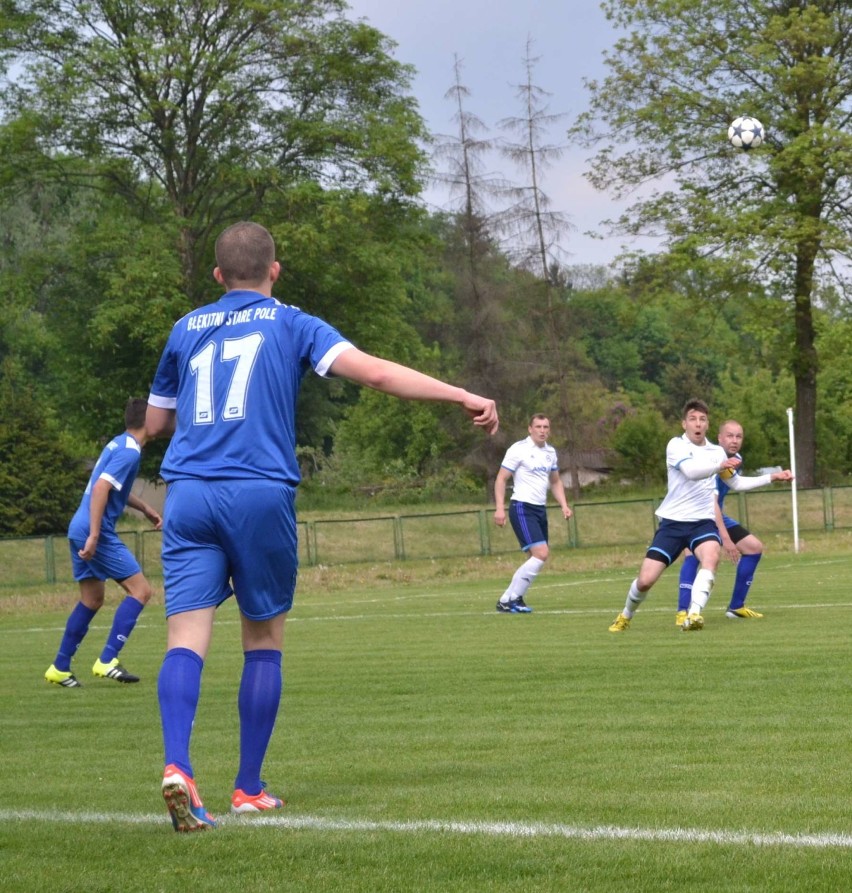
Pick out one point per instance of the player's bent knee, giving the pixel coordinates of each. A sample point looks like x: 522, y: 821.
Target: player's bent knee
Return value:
x: 139, y: 588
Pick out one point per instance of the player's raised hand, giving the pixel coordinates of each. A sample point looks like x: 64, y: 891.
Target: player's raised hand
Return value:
x: 483, y: 411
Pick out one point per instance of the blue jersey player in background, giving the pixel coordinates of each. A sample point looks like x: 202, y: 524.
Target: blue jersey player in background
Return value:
x: 98, y: 554
x: 226, y: 389
x: 741, y: 546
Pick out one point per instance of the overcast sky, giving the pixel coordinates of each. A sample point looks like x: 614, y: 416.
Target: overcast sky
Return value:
x: 490, y: 36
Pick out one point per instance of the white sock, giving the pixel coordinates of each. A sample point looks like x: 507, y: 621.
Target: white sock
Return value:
x: 701, y: 589
x: 522, y: 579
x: 634, y: 599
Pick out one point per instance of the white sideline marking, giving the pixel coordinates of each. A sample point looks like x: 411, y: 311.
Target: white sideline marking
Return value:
x: 490, y: 612
x: 435, y: 826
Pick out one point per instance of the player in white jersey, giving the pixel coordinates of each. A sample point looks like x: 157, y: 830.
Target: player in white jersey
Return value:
x: 738, y: 543
x: 226, y: 387
x: 687, y: 517
x: 531, y: 465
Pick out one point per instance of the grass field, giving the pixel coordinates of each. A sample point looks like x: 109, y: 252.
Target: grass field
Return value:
x: 426, y: 743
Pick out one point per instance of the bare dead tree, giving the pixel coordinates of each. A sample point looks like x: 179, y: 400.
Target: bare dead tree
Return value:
x: 535, y: 232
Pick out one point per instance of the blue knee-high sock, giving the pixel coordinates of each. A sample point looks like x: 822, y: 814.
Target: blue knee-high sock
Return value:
x: 258, y: 700
x: 76, y: 628
x: 746, y: 567
x: 688, y: 570
x: 122, y: 626
x: 178, y: 690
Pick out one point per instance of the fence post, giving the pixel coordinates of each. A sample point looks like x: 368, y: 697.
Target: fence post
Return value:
x: 311, y: 543
x: 49, y: 560
x: 742, y: 507
x: 573, y: 531
x: 484, y: 533
x: 398, y: 541
x: 654, y: 504
x: 828, y: 508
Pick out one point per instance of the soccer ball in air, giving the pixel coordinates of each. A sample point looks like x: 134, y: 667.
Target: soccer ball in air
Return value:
x: 746, y: 133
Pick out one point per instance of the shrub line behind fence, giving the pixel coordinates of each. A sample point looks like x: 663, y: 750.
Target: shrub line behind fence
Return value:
x: 403, y: 537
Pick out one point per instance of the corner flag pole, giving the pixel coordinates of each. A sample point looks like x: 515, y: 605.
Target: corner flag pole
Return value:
x: 793, y: 491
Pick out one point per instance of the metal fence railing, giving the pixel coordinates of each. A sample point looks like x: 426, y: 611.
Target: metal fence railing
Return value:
x: 46, y: 559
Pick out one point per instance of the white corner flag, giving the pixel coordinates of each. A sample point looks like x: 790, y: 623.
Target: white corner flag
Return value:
x: 793, y: 491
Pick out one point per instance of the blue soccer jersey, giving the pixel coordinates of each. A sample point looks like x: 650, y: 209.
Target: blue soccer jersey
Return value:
x: 219, y: 367
x: 118, y: 464
x: 722, y: 490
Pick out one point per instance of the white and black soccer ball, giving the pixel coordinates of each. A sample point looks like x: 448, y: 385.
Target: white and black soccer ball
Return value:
x: 746, y: 133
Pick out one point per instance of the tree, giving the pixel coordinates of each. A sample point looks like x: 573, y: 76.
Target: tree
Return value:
x: 41, y: 474
x: 87, y: 294
x: 537, y: 230
x: 194, y: 113
x: 780, y: 214
x: 640, y: 442
x: 480, y: 332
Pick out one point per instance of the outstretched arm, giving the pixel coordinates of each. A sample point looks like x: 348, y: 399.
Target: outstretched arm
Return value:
x: 740, y: 482
x: 409, y: 384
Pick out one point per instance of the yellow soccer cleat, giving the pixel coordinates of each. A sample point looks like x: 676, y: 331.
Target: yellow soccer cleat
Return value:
x: 743, y: 614
x: 693, y: 623
x: 679, y: 618
x: 619, y: 624
x: 64, y: 678
x: 112, y: 670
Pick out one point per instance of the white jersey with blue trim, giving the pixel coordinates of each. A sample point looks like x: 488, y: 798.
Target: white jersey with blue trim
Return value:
x: 232, y: 371
x: 692, y: 472
x: 531, y: 467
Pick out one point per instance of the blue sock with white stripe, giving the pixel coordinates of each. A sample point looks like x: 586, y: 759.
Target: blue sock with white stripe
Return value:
x: 122, y: 626
x: 746, y: 567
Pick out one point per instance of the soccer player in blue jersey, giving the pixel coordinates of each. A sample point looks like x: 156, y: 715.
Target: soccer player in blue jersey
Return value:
x: 687, y: 517
x: 97, y: 553
x: 531, y: 465
x: 226, y: 389
x: 742, y: 546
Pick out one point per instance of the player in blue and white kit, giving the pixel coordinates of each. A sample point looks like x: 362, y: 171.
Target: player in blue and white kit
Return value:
x: 532, y: 467
x: 742, y: 546
x: 687, y: 517
x: 98, y: 554
x: 226, y: 387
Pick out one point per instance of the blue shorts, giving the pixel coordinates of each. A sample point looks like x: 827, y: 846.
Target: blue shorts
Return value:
x: 672, y: 537
x: 529, y: 523
x: 223, y: 534
x: 112, y: 559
